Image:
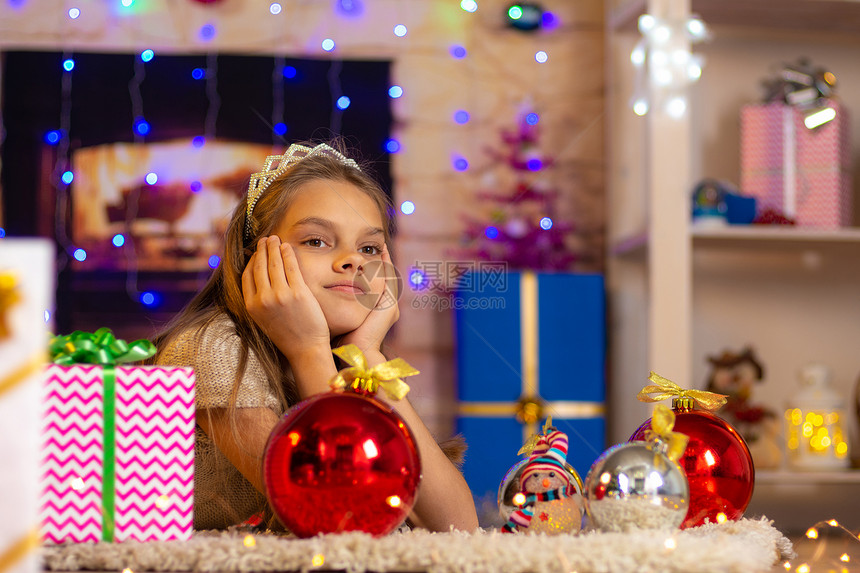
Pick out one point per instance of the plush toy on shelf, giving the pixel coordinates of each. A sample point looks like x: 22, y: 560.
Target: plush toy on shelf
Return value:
x: 550, y: 492
x: 735, y: 374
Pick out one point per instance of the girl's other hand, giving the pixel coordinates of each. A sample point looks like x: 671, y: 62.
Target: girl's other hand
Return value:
x: 280, y: 302
x: 370, y: 333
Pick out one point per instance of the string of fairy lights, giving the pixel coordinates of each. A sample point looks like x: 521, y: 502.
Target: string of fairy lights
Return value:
x: 524, y: 17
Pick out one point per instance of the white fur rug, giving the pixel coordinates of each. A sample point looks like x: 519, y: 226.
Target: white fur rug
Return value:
x: 743, y: 546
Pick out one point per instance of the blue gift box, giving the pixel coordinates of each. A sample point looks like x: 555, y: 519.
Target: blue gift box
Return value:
x: 529, y: 345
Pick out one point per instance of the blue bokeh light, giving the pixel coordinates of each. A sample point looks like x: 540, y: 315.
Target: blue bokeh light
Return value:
x: 343, y: 102
x: 392, y: 146
x: 546, y: 223
x: 150, y: 298
x: 198, y: 73
x: 461, y: 116
x: 491, y: 232
x: 147, y: 55
x: 458, y: 51
x: 207, y: 32
x: 196, y: 186
x: 327, y: 44
x: 400, y: 30
x: 198, y: 141
x: 290, y: 72
x: 67, y: 177
x: 280, y: 128
x: 395, y: 92
x: 417, y: 279
x: 79, y: 254
x: 118, y: 240
x: 214, y: 261
x: 407, y: 207
x: 69, y: 65
x: 534, y: 164
x: 460, y: 163
x: 53, y: 137
x: 141, y: 126
x: 532, y: 118
x: 151, y: 178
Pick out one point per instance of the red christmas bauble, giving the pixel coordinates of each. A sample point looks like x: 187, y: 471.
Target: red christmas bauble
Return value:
x: 341, y: 462
x: 717, y: 462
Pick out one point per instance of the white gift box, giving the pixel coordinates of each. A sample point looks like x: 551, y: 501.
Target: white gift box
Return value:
x: 27, y: 281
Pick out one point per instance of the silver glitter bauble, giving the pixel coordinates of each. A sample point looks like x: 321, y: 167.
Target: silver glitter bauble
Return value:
x: 632, y: 486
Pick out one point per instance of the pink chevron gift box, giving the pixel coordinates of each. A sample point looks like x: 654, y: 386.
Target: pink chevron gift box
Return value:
x: 117, y: 458
x: 805, y: 174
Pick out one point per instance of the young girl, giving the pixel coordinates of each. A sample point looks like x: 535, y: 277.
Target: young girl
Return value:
x: 291, y: 287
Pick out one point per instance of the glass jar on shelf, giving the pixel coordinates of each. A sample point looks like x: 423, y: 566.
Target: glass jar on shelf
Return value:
x: 816, y: 423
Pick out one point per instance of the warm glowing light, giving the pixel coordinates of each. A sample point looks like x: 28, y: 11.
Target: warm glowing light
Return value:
x: 833, y: 523
x: 841, y: 449
x: 249, y: 541
x: 318, y: 560
x: 670, y: 543
x: 519, y: 499
x: 469, y: 5
x: 640, y: 107
x: 76, y: 484
x: 393, y: 500
x: 637, y: 56
x: 605, y: 478
x: 370, y: 449
x: 812, y: 533
x: 803, y: 568
x: 709, y: 458
x: 294, y: 438
x: 721, y: 517
x: 646, y: 22
x: 844, y: 558
x: 696, y: 28
x: 162, y: 501
x: 662, y: 34
x: 787, y: 565
x: 821, y: 117
x: 127, y: 570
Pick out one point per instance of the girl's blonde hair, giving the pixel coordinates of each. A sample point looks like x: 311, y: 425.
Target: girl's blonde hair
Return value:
x: 222, y: 293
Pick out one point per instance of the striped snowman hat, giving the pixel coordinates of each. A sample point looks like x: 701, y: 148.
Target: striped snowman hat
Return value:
x: 549, y: 455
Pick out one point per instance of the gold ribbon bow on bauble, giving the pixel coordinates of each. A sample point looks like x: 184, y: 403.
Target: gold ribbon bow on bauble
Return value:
x: 364, y: 380
x: 664, y: 388
x: 662, y: 422
x: 535, y: 439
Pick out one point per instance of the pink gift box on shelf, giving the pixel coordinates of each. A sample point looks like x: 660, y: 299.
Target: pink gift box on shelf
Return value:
x: 117, y: 453
x: 805, y: 174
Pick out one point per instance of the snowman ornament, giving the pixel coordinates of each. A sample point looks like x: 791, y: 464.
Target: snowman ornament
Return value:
x: 548, y: 500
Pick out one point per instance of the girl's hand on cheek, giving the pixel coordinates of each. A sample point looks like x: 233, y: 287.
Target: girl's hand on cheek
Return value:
x: 280, y: 302
x: 370, y: 333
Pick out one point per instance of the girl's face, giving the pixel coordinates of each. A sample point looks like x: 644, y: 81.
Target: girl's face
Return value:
x: 336, y: 231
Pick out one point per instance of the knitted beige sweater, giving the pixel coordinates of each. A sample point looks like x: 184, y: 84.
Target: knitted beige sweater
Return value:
x: 222, y: 495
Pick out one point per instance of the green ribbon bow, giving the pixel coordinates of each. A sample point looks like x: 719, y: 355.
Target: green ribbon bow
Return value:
x: 99, y: 347
x: 103, y: 348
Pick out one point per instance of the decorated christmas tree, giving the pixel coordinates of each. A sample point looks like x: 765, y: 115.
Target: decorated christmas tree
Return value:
x: 520, y: 227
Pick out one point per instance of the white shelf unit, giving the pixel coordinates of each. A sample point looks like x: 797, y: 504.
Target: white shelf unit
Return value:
x: 678, y: 293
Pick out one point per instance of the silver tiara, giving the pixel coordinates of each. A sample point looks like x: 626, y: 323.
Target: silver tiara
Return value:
x: 260, y: 181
